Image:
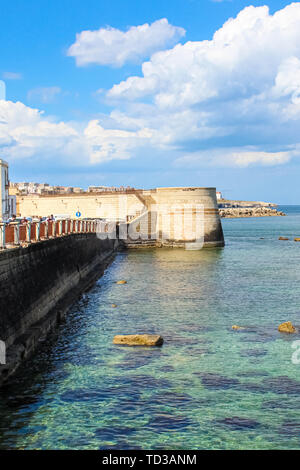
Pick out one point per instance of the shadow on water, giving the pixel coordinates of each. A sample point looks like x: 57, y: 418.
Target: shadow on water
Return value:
x: 23, y: 395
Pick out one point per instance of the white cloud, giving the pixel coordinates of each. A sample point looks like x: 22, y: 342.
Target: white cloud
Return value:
x: 238, y: 157
x: 26, y: 134
x: 232, y: 101
x: 43, y: 95
x: 2, y: 90
x: 241, y: 86
x: 113, y: 144
x: 242, y: 59
x: 110, y: 46
x: 12, y: 76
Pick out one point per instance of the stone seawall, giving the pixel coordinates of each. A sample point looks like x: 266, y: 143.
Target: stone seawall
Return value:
x: 37, y: 285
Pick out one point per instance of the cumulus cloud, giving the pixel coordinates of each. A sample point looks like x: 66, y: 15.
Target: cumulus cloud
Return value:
x: 242, y: 87
x: 231, y: 101
x: 44, y: 95
x: 26, y: 134
x: 242, y: 59
x: 110, y: 46
x: 112, y: 144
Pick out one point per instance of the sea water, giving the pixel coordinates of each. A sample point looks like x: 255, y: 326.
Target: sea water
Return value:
x: 207, y: 387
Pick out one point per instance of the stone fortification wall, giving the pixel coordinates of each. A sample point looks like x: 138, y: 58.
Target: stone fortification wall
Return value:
x: 166, y: 208
x: 37, y: 285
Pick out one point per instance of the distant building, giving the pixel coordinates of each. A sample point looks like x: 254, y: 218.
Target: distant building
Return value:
x: 25, y: 188
x: 219, y: 195
x: 78, y: 190
x: 7, y: 202
x: 103, y: 189
x: 29, y: 188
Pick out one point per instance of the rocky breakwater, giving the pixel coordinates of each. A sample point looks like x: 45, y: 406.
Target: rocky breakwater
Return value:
x: 235, y: 212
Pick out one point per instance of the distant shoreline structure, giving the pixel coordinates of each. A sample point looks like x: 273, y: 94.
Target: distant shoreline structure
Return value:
x: 231, y: 209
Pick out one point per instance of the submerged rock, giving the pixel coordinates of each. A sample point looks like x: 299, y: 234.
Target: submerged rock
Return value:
x: 280, y: 404
x: 254, y: 373
x: 145, y: 382
x: 239, y: 424
x: 290, y: 428
x: 282, y: 385
x: 169, y: 422
x: 112, y: 433
x: 167, y: 368
x: 83, y: 394
x: 253, y: 352
x: 101, y: 394
x: 258, y: 337
x: 217, y: 381
x: 287, y: 327
x: 135, y: 359
x: 139, y: 340
x: 171, y: 399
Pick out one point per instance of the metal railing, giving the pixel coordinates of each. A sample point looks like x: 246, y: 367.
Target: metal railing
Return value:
x: 18, y: 233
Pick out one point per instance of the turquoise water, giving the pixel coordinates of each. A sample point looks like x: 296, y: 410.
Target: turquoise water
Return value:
x: 208, y: 387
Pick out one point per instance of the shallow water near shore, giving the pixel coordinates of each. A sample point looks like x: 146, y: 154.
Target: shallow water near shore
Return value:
x: 208, y: 387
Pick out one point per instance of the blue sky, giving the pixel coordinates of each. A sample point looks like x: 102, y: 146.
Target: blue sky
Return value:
x: 130, y: 106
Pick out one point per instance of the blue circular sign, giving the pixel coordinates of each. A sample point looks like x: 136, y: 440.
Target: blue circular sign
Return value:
x: 78, y: 214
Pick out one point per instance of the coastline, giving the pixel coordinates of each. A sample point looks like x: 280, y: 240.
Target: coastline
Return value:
x: 233, y: 209
x: 242, y: 212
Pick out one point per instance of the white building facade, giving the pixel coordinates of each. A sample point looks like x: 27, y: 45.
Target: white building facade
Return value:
x: 7, y: 203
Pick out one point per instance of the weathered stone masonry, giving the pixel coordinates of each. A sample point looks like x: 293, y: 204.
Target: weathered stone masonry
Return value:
x: 37, y: 285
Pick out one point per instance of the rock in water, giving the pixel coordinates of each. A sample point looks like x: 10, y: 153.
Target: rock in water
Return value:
x: 239, y: 424
x: 139, y: 340
x: 121, y: 282
x: 287, y: 327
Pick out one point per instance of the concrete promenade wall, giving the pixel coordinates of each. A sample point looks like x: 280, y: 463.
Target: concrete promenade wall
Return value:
x: 37, y: 285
